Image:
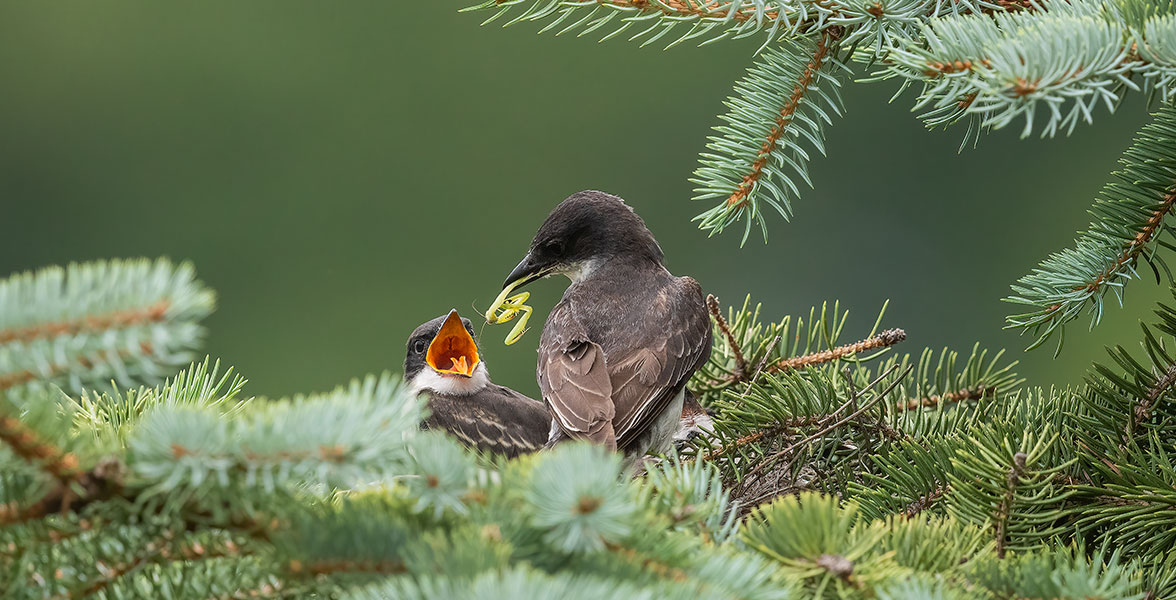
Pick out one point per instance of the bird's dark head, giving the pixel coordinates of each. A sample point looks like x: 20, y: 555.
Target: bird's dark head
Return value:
x: 443, y: 356
x: 585, y: 230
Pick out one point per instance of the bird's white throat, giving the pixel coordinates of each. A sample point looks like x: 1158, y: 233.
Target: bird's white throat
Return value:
x: 450, y: 385
x: 580, y: 271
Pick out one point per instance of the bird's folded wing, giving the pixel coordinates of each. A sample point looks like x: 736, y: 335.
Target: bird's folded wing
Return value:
x: 646, y: 378
x: 491, y: 428
x: 575, y: 384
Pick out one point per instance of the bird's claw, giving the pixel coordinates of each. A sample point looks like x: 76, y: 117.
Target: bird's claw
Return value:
x: 504, y: 309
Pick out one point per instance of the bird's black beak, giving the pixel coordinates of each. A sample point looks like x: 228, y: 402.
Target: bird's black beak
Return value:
x: 528, y: 270
x: 453, y: 351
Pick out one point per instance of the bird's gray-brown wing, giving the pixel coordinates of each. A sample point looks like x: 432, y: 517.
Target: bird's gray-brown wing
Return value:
x: 574, y: 379
x: 496, y: 419
x: 646, y: 377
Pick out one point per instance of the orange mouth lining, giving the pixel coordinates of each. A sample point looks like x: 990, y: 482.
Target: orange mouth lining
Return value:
x: 453, y: 350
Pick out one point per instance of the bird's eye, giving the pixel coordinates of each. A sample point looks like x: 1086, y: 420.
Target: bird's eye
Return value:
x: 554, y: 247
x: 419, y: 346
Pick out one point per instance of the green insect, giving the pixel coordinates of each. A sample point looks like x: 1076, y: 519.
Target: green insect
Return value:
x: 504, y: 309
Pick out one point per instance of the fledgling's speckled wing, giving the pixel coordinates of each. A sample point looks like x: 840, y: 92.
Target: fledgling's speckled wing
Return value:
x: 496, y: 419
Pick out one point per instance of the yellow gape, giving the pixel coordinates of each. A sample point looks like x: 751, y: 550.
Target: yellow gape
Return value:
x: 505, y: 309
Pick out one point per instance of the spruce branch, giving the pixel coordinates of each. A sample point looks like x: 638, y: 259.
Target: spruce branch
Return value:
x: 79, y: 327
x: 793, y: 343
x: 924, y: 502
x: 716, y: 312
x: 331, y: 567
x: 885, y: 339
x: 704, y: 20
x: 1143, y: 406
x: 1131, y: 402
x: 1129, y: 218
x: 27, y: 444
x: 1006, y: 477
x: 941, y: 385
x: 768, y: 460
x: 961, y: 395
x: 1001, y: 518
x: 102, y: 482
x: 1065, y: 60
x: 91, y: 323
x: 112, y: 572
x: 80, y: 366
x: 776, y: 116
x: 351, y: 435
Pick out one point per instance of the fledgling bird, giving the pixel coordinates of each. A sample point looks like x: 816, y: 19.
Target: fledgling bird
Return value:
x: 617, y: 350
x: 443, y: 362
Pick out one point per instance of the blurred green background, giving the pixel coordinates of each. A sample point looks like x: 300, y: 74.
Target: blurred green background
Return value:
x: 340, y: 172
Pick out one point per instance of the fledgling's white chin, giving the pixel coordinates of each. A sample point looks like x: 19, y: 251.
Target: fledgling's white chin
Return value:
x: 450, y: 385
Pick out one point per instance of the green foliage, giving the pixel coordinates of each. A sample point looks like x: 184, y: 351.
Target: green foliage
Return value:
x: 1065, y: 573
x: 649, y: 22
x: 109, y: 416
x: 834, y: 470
x: 1129, y: 224
x: 777, y: 118
x: 1049, y: 65
x: 80, y: 327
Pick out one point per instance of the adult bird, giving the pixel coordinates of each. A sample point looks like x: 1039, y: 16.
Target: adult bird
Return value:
x: 617, y: 350
x: 443, y: 362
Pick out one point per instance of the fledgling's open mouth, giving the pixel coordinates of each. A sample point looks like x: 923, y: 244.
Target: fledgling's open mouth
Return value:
x: 453, y: 350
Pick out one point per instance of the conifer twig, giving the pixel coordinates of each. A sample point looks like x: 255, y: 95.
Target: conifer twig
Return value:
x: 925, y: 501
x: 779, y: 427
x: 709, y: 9
x: 103, y: 482
x: 112, y: 573
x: 716, y: 312
x: 887, y: 338
x: 28, y: 445
x: 656, y: 567
x: 960, y: 395
x: 1135, y: 246
x: 739, y: 198
x: 327, y: 567
x: 769, y: 459
x: 1004, y: 509
x: 112, y: 320
x: 12, y: 380
x: 1143, y: 406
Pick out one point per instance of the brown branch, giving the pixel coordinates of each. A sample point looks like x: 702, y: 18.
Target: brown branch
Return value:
x: 113, y: 320
x: 716, y: 312
x: 707, y: 9
x: 960, y: 395
x: 156, y: 550
x: 12, y: 380
x: 112, y: 573
x: 760, y: 434
x: 265, y: 590
x: 327, y: 567
x: 739, y: 197
x: 1010, y: 6
x: 28, y: 445
x: 1130, y: 253
x: 1004, y: 509
x: 767, y: 460
x: 1143, y: 406
x: 657, y: 568
x: 887, y: 338
x: 924, y: 502
x: 103, y: 482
